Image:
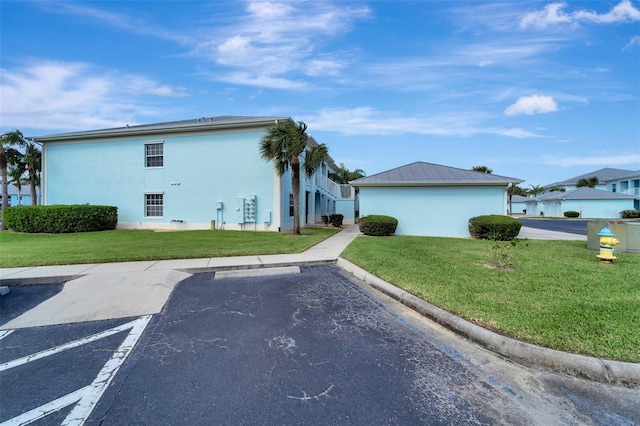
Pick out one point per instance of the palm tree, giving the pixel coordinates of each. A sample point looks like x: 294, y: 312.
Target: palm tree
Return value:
x: 588, y: 182
x: 535, y: 190
x: 287, y: 145
x: 514, y: 190
x: 32, y: 160
x: 16, y: 178
x: 483, y: 169
x: 343, y: 176
x: 8, y: 141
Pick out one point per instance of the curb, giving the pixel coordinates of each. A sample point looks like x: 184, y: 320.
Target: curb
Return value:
x: 601, y: 370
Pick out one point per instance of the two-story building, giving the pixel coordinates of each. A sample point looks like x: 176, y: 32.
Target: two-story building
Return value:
x: 191, y: 174
x: 616, y: 190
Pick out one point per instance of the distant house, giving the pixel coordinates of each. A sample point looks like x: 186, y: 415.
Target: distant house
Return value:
x: 191, y: 174
x: 519, y: 204
x: 603, y: 175
x: 18, y: 198
x: 589, y: 202
x: 431, y: 199
x: 628, y: 184
x: 617, y: 190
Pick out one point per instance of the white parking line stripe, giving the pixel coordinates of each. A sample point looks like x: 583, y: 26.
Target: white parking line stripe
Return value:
x: 88, y: 396
x: 94, y: 392
x: 52, y: 351
x: 45, y: 409
x: 5, y: 333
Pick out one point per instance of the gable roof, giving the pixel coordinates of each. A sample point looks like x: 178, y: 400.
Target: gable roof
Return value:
x: 603, y: 175
x: 632, y: 175
x: 428, y: 174
x: 194, y: 125
x: 584, y: 193
x: 519, y: 199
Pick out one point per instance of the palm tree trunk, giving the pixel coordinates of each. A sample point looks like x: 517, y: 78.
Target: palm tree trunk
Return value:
x: 295, y: 187
x: 32, y: 185
x: 5, y: 192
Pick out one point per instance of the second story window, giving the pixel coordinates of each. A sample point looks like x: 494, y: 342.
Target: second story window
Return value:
x: 154, y: 155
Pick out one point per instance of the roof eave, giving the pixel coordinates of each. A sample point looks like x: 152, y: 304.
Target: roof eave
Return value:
x: 177, y: 127
x: 435, y: 183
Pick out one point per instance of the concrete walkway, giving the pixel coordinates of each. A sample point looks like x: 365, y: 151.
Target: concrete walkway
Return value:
x: 116, y: 290
x: 125, y: 289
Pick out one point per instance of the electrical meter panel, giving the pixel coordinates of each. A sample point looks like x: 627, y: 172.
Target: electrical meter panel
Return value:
x: 250, y: 209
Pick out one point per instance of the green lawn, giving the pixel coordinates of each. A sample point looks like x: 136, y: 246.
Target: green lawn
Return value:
x: 558, y: 294
x: 17, y: 249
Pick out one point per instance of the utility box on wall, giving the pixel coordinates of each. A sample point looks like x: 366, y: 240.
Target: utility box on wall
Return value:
x: 627, y: 233
x: 250, y: 209
x: 246, y: 210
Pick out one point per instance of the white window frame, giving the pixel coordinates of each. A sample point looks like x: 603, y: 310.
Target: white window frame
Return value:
x: 147, y: 205
x: 291, y: 205
x: 148, y: 156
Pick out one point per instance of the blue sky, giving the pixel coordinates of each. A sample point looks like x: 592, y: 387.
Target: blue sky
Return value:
x: 541, y: 91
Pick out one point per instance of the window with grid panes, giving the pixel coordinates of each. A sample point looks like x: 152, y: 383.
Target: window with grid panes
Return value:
x: 153, y: 205
x: 154, y: 154
x: 290, y: 205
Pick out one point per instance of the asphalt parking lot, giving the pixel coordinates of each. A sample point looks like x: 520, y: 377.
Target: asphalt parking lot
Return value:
x: 316, y: 347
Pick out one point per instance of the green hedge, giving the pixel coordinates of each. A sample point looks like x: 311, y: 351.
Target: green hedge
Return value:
x: 571, y: 213
x: 630, y: 214
x: 378, y: 225
x: 494, y: 227
x: 58, y: 219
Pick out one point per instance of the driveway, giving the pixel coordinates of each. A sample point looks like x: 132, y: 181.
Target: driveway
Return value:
x: 571, y: 226
x: 318, y: 347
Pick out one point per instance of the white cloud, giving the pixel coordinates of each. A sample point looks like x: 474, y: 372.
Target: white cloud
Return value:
x: 74, y: 95
x: 258, y: 80
x: 117, y: 20
x: 632, y: 159
x: 635, y: 41
x: 622, y: 12
x: 553, y: 14
x: 274, y: 41
x: 369, y: 121
x: 534, y: 104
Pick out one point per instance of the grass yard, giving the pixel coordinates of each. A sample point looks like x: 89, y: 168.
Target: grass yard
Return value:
x: 17, y: 249
x: 557, y: 294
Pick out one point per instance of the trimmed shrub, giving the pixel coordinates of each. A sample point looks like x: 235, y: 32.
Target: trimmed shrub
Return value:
x: 378, y: 225
x: 58, y: 219
x: 630, y: 214
x: 336, y: 220
x: 571, y: 213
x: 494, y: 227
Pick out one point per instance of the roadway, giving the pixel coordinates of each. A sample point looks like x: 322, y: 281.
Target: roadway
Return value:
x: 316, y: 347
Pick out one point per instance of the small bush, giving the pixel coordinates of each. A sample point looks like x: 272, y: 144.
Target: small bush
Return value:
x: 571, y: 213
x: 378, y: 225
x: 494, y: 227
x: 58, y: 219
x: 336, y: 220
x: 630, y: 214
x: 325, y: 219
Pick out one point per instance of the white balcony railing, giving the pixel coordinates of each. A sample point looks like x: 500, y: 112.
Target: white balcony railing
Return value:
x: 631, y: 191
x: 338, y: 191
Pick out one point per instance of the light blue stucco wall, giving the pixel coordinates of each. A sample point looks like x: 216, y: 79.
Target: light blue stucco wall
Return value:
x: 346, y: 208
x: 433, y: 211
x: 591, y: 209
x: 199, y: 170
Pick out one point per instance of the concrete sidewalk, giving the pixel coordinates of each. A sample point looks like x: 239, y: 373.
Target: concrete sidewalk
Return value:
x: 117, y: 290
x: 125, y: 289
